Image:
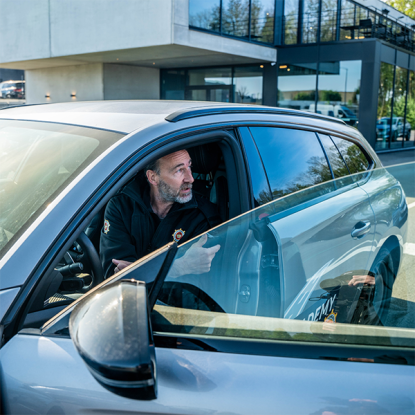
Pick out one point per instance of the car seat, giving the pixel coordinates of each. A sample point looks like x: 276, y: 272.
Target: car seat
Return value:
x: 210, y: 176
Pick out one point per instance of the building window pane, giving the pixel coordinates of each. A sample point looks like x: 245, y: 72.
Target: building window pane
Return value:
x: 347, y: 20
x: 339, y: 90
x: 297, y: 85
x: 205, y: 14
x: 310, y: 21
x: 399, y: 101
x: 328, y: 20
x: 384, y: 106
x: 235, y: 17
x: 173, y: 84
x: 410, y: 110
x: 262, y: 20
x: 210, y: 76
x: 248, y: 84
x: 291, y: 21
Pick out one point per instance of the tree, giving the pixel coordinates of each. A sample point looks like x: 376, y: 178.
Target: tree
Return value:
x: 305, y: 96
x: 405, y: 6
x: 329, y: 95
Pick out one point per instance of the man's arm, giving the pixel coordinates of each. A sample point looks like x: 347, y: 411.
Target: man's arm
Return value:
x: 115, y: 236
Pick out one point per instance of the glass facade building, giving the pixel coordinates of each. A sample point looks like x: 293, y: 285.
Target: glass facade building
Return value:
x: 252, y: 20
x: 335, y: 57
x: 242, y: 84
x: 395, y: 126
x: 329, y: 88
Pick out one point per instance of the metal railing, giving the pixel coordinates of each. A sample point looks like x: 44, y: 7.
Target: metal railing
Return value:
x: 351, y: 22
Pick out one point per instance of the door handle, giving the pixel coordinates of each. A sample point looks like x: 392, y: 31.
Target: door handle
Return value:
x: 361, y: 229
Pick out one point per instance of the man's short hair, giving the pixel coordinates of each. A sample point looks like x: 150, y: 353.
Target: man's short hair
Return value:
x: 153, y: 166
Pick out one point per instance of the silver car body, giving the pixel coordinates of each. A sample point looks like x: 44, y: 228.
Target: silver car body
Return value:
x: 45, y: 374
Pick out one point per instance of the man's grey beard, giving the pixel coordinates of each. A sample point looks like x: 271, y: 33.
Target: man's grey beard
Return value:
x: 170, y: 195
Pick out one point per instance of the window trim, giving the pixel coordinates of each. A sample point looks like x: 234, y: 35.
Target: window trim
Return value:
x: 286, y: 348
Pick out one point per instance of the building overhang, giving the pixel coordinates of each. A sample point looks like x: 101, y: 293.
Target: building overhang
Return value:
x: 162, y: 56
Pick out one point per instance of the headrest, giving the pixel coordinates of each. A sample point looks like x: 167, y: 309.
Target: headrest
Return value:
x: 205, y: 158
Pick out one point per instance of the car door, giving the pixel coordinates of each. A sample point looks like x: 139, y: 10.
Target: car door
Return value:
x: 210, y: 360
x: 319, y: 223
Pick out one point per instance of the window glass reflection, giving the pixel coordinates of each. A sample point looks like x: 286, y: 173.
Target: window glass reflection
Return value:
x: 310, y: 21
x: 205, y: 14
x: 347, y: 20
x: 293, y: 159
x: 399, y: 132
x: 339, y: 90
x: 297, y: 85
x: 291, y: 8
x: 336, y: 161
x: 210, y: 76
x: 384, y: 106
x: 235, y: 17
x: 410, y: 111
x: 248, y: 84
x: 355, y: 159
x: 328, y: 20
x: 262, y: 20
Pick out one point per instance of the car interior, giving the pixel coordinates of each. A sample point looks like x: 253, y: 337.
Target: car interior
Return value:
x: 79, y: 269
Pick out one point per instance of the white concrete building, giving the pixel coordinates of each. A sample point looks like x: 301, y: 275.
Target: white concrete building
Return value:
x: 353, y: 59
x: 108, y: 49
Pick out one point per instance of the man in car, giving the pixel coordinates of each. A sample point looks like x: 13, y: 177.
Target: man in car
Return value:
x: 144, y: 216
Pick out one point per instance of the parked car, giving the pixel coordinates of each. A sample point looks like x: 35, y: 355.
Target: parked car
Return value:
x: 338, y: 111
x: 383, y: 128
x: 306, y: 205
x: 12, y: 89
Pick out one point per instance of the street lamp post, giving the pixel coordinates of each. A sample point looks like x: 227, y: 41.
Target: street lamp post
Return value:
x: 345, y: 86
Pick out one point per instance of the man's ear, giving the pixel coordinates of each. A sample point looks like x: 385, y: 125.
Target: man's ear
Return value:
x: 152, y: 177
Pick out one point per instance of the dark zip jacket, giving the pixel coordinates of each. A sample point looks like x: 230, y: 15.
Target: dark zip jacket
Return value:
x: 132, y: 230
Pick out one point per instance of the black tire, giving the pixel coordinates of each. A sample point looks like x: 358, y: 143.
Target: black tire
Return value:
x: 408, y: 135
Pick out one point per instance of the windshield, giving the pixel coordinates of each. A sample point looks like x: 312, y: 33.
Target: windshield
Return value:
x: 37, y: 161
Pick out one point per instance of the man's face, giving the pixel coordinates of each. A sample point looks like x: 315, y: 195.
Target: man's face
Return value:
x: 175, y: 180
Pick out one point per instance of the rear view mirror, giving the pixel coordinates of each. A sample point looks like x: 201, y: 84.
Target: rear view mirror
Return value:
x: 112, y: 332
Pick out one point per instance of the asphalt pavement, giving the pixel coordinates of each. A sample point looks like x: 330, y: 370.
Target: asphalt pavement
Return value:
x: 402, y: 166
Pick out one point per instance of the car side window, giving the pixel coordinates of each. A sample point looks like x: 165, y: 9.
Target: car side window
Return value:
x: 293, y: 159
x: 353, y: 156
x: 284, y: 271
x: 336, y: 160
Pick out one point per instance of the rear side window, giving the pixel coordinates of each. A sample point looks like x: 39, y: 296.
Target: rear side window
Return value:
x: 336, y: 161
x: 293, y: 159
x: 353, y: 156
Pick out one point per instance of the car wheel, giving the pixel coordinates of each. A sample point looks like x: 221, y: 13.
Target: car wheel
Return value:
x: 408, y: 135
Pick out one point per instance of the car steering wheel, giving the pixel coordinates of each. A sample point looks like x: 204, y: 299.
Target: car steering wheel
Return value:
x: 92, y: 258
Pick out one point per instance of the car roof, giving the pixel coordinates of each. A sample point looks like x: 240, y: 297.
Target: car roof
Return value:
x: 127, y: 116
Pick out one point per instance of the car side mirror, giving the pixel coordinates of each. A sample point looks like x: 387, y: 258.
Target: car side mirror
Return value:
x: 111, y: 331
